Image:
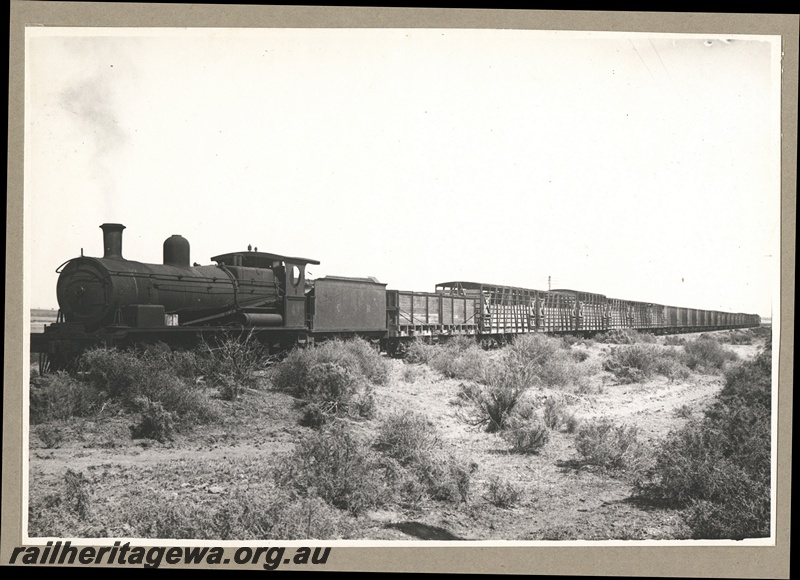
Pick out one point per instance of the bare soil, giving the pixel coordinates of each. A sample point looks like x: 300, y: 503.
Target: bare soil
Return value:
x: 562, y: 498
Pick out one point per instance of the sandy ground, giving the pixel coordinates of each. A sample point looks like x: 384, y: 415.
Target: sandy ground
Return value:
x: 561, y: 498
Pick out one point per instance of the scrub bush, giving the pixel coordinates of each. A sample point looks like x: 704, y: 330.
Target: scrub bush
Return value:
x: 155, y: 423
x: 129, y: 378
x: 416, y: 464
x: 461, y: 358
x: 738, y: 336
x: 638, y: 362
x: 420, y: 351
x: 407, y: 436
x: 624, y: 336
x: 718, y: 467
x: 338, y: 466
x: 333, y: 379
x: 610, y: 446
x: 231, y: 363
x: 502, y: 493
x: 492, y: 401
x: 356, y: 356
x: 546, y: 358
x: 60, y: 396
x: 525, y: 435
x: 555, y: 413
x: 707, y: 355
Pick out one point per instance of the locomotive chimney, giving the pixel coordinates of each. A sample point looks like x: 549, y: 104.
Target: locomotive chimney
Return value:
x: 112, y: 240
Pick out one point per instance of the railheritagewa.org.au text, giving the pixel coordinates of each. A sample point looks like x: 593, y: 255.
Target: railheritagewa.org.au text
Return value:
x: 64, y: 553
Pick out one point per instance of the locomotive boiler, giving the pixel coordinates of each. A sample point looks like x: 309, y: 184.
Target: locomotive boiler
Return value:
x: 245, y: 287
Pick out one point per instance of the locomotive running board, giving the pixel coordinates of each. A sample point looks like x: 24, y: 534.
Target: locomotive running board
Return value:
x: 220, y: 315
x: 215, y: 316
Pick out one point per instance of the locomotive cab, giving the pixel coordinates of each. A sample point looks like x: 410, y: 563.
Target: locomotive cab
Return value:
x: 290, y: 276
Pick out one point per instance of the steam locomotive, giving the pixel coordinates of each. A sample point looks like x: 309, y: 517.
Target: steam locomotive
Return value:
x: 113, y: 301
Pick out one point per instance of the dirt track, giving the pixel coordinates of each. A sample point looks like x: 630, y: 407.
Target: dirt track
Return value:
x: 561, y: 498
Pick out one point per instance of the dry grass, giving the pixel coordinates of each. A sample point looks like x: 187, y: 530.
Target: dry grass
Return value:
x: 409, y: 470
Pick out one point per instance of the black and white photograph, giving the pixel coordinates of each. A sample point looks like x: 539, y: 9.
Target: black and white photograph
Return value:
x: 377, y: 285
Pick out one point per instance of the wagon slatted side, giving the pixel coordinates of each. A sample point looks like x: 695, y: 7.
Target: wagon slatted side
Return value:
x: 430, y: 314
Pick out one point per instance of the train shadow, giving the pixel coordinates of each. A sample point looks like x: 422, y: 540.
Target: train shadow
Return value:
x: 424, y: 531
x: 566, y: 465
x: 644, y: 495
x: 644, y: 503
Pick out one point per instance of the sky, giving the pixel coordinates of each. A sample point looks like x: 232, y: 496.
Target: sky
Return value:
x: 639, y: 166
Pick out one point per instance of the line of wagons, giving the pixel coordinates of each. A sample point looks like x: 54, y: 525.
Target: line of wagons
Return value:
x: 113, y: 301
x: 500, y: 312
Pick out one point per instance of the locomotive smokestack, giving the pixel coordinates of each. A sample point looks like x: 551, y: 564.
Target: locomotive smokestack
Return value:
x: 112, y: 240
